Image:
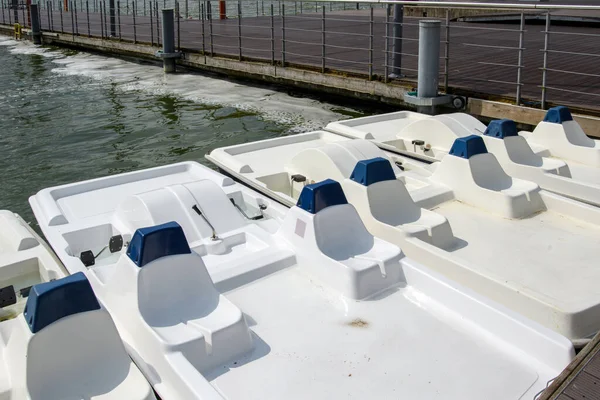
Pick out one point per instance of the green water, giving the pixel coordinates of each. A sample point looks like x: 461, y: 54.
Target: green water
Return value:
x: 71, y: 117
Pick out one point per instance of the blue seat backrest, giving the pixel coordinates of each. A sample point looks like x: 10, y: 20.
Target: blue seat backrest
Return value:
x: 367, y: 172
x: 558, y: 115
x: 501, y: 128
x: 318, y: 196
x: 48, y: 302
x: 467, y: 147
x: 154, y: 242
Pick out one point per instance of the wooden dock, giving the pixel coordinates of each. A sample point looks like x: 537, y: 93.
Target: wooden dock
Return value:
x: 581, y: 379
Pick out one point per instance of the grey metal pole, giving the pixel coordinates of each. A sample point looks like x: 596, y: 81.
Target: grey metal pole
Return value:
x: 210, y: 29
x: 283, y: 39
x: 101, y: 22
x: 370, y: 41
x: 76, y: 22
x: 36, y: 31
x: 62, y: 27
x: 119, y: 18
x: 87, y: 13
x: 186, y: 9
x: 134, y: 12
x: 178, y: 13
x: 151, y: 25
x: 49, y: 20
x: 545, y: 66
x: 16, y: 10
x: 72, y: 20
x: 113, y: 25
x: 272, y: 37
x: 397, y: 41
x: 520, y: 59
x: 157, y: 23
x: 447, y: 52
x: 203, y: 16
x: 386, y: 54
x: 168, y: 39
x: 239, y: 10
x: 323, y: 39
x: 429, y: 60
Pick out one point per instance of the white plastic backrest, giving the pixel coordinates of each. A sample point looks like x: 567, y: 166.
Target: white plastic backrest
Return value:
x: 568, y: 141
x: 13, y: 235
x: 175, y: 288
x: 513, y: 149
x: 488, y: 173
x: 575, y: 135
x: 390, y: 203
x: 79, y: 355
x: 174, y: 203
x: 340, y: 233
x: 335, y: 160
x: 437, y: 131
x: 469, y: 122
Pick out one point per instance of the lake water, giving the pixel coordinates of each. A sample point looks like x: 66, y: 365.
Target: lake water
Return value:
x: 68, y: 116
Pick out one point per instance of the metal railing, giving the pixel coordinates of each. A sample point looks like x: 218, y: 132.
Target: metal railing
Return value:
x: 531, y: 64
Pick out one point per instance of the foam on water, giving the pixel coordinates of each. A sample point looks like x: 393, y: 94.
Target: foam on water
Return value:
x: 300, y: 114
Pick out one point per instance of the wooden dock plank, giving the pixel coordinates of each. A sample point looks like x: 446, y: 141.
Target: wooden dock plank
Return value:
x: 584, y: 386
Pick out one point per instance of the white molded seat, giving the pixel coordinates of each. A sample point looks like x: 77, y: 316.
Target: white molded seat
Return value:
x: 66, y: 346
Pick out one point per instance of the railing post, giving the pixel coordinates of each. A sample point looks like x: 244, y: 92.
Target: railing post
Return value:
x: 72, y: 21
x: 239, y: 10
x: 323, y: 39
x: 370, y: 41
x: 151, y: 24
x: 62, y: 27
x: 545, y: 65
x: 133, y: 14
x: 16, y: 10
x: 272, y: 36
x: 3, y: 16
x: 76, y: 22
x: 157, y: 23
x: 178, y: 25
x: 387, y: 44
x: 203, y: 16
x: 186, y: 9
x: 48, y: 12
x: 168, y: 36
x: 87, y: 13
x: 101, y: 22
x: 283, y: 38
x: 36, y: 32
x: 210, y: 29
x: 397, y: 43
x: 111, y: 10
x: 119, y: 17
x: 520, y: 59
x: 447, y: 52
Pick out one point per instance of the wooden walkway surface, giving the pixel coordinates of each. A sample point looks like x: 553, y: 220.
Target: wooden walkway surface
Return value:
x: 472, y: 66
x: 581, y: 379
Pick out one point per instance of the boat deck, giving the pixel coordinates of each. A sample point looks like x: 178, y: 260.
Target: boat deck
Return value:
x: 344, y: 348
x: 581, y: 379
x: 540, y: 262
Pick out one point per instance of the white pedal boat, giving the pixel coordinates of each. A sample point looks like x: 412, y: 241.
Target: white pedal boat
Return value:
x: 222, y: 293
x: 24, y: 261
x: 66, y: 346
x: 557, y: 155
x: 531, y: 250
